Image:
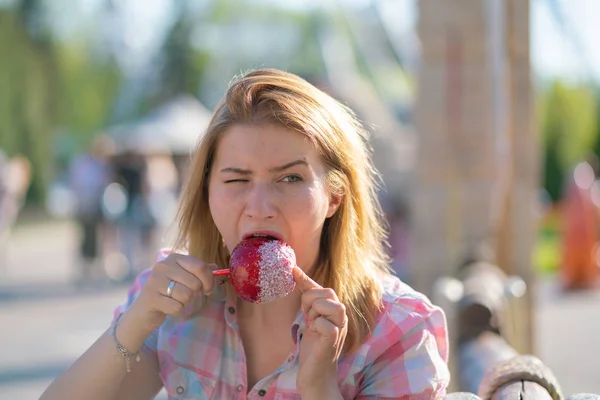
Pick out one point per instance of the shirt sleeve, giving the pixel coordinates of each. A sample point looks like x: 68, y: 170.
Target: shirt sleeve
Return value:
x: 412, y: 355
x: 151, y: 342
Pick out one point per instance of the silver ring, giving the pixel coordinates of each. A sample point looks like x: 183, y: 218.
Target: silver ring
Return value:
x: 170, y: 289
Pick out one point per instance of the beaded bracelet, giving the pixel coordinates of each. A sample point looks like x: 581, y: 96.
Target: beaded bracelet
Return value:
x: 122, y: 350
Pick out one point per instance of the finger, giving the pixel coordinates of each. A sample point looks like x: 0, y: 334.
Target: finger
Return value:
x: 168, y: 305
x: 303, y: 281
x: 170, y: 270
x: 201, y: 270
x: 332, y: 310
x: 325, y: 329
x: 311, y: 295
x: 180, y: 292
x: 326, y: 293
x: 334, y: 336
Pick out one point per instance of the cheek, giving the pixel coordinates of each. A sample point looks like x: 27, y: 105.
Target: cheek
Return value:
x: 309, y: 215
x: 313, y: 208
x: 320, y: 198
x: 221, y: 209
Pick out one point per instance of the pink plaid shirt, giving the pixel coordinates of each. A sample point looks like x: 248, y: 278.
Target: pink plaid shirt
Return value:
x: 202, y: 357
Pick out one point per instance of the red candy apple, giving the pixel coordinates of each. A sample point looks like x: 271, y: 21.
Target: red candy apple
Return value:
x: 260, y: 269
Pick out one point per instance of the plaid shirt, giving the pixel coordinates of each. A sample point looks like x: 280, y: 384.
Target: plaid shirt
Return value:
x: 202, y: 357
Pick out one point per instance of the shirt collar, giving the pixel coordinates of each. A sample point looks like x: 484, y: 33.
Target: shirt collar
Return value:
x: 228, y: 296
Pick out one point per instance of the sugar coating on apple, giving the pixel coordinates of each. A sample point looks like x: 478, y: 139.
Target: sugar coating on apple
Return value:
x: 261, y: 269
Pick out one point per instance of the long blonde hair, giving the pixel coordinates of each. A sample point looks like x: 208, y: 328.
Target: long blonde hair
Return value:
x: 352, y: 253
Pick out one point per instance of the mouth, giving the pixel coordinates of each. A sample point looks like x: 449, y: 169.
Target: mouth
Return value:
x: 263, y: 235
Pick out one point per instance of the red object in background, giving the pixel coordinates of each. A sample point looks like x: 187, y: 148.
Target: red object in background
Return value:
x: 579, y: 268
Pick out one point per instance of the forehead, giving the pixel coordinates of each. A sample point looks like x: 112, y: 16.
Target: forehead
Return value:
x: 264, y: 143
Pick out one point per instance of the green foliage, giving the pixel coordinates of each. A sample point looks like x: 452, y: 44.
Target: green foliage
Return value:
x: 88, y: 87
x: 596, y: 148
x: 569, y: 126
x: 183, y: 66
x: 57, y: 93
x: 27, y: 108
x: 48, y: 87
x: 547, y: 249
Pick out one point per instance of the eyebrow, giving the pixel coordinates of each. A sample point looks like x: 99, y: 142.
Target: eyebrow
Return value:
x: 274, y: 169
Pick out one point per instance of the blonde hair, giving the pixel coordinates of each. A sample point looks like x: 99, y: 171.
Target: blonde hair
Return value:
x: 351, y: 253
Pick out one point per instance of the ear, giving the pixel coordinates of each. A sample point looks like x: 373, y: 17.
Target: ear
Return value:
x: 334, y: 203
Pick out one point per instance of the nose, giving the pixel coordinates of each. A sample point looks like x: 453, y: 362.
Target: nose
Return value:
x: 260, y: 203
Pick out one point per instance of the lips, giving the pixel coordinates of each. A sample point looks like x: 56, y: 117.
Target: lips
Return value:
x: 269, y: 235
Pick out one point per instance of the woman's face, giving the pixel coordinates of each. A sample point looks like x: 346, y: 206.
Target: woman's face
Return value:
x: 270, y: 180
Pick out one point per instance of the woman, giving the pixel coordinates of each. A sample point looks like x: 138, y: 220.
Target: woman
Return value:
x: 280, y: 158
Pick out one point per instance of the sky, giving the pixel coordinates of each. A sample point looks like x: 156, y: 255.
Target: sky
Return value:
x: 564, y: 44
x: 557, y: 54
x: 567, y: 46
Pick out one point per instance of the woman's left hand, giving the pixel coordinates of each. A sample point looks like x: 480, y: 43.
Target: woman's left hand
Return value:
x: 322, y: 340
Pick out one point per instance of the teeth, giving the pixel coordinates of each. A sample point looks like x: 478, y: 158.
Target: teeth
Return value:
x: 259, y: 235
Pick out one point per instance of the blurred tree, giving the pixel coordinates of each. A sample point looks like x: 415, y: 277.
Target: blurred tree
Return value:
x: 569, y: 125
x: 47, y: 85
x: 234, y: 36
x: 596, y: 148
x: 183, y: 66
x: 64, y: 81
x: 88, y: 86
x: 28, y: 77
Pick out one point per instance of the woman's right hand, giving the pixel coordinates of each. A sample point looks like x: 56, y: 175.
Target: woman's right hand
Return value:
x: 192, y: 278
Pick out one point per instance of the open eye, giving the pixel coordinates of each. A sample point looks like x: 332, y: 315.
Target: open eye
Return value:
x: 292, y: 179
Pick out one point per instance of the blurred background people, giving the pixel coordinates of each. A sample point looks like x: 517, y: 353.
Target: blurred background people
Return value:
x: 89, y: 175
x: 134, y: 225
x: 15, y: 177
